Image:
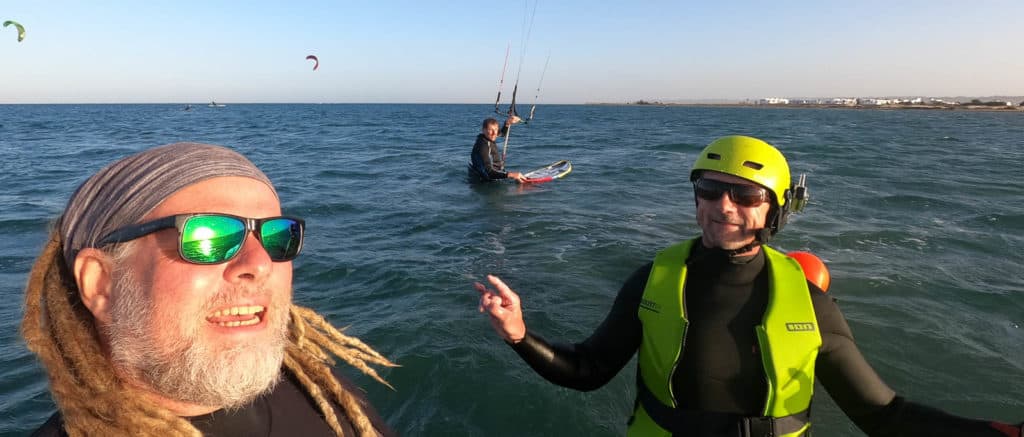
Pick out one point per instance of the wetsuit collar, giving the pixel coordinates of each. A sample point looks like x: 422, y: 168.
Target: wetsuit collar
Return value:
x: 700, y: 252
x: 720, y: 263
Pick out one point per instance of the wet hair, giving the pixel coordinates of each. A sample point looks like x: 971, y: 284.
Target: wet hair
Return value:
x: 490, y: 121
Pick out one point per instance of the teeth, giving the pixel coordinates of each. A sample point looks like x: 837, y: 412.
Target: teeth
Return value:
x: 239, y: 311
x: 237, y: 323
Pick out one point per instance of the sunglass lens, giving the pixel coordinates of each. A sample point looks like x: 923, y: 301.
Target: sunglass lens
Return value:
x: 745, y: 195
x: 708, y: 190
x: 209, y: 239
x: 282, y: 238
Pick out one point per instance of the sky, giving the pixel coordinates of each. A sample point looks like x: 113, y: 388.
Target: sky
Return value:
x: 453, y: 51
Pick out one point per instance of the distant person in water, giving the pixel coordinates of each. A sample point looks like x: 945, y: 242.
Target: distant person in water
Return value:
x: 486, y: 162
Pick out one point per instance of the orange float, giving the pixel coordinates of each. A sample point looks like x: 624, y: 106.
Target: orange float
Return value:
x: 814, y: 269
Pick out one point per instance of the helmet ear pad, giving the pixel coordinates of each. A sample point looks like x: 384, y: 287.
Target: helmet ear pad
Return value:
x: 775, y: 221
x: 778, y: 216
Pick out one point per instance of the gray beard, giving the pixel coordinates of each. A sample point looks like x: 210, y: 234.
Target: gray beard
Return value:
x: 189, y: 369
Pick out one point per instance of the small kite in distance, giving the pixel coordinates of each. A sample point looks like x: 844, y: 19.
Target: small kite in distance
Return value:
x: 316, y: 62
x: 21, y: 29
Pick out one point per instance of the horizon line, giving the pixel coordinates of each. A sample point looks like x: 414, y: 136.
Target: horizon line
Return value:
x: 620, y: 102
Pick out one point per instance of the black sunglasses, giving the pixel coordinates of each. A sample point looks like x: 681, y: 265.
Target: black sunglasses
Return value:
x: 211, y: 238
x: 741, y: 194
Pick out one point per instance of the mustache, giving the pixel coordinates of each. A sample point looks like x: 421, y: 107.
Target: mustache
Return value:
x: 228, y: 295
x: 728, y: 219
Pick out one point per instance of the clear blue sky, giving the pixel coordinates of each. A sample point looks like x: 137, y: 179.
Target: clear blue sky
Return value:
x: 452, y: 51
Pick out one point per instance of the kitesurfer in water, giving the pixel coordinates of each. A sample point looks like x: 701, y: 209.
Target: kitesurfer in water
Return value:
x: 730, y: 334
x: 486, y: 161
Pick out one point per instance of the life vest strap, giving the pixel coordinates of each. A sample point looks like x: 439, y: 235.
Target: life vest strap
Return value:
x: 687, y: 422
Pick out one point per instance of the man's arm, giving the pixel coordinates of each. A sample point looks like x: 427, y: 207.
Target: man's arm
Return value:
x: 868, y: 401
x: 496, y: 170
x: 512, y: 119
x: 591, y: 364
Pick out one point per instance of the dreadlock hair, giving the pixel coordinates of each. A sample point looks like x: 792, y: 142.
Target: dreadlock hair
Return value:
x: 62, y: 332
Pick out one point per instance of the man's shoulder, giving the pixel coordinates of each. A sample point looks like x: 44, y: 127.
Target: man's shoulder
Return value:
x: 290, y: 405
x: 53, y: 427
x: 294, y: 393
x: 821, y: 299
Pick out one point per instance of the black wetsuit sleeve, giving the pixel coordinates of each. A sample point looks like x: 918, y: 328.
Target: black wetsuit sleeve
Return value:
x: 591, y: 364
x: 858, y: 390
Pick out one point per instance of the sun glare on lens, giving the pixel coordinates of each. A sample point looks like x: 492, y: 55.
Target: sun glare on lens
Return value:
x: 203, y: 235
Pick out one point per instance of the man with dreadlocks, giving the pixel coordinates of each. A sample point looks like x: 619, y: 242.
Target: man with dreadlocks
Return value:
x: 162, y: 305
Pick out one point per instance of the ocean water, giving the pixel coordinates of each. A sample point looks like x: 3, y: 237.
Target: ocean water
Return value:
x: 918, y: 214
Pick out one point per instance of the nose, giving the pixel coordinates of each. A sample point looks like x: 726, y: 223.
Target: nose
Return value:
x: 252, y: 263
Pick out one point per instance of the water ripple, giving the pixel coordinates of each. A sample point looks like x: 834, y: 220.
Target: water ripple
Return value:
x: 916, y: 213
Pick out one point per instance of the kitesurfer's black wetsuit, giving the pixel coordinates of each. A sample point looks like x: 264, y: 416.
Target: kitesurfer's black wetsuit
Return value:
x: 486, y: 163
x: 721, y: 369
x: 285, y: 412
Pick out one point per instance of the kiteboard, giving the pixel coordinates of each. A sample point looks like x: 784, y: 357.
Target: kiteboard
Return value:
x: 548, y: 173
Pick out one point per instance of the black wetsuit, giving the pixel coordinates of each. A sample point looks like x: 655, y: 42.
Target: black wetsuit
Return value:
x: 285, y: 412
x: 721, y: 369
x: 486, y: 163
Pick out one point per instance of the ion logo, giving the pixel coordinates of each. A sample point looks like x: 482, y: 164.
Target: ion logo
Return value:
x: 649, y: 305
x: 798, y: 327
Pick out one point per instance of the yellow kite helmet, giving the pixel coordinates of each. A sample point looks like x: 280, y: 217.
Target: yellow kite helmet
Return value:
x: 748, y: 158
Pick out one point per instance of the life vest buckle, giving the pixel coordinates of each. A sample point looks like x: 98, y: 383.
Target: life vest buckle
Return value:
x: 757, y: 427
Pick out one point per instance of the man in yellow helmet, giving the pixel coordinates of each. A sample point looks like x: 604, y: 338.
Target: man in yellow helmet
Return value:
x: 730, y: 334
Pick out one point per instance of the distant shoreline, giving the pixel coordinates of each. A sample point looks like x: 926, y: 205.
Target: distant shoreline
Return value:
x: 960, y: 107
x: 938, y: 107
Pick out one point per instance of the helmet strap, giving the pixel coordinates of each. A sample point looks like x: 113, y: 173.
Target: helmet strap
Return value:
x: 773, y: 224
x: 761, y: 237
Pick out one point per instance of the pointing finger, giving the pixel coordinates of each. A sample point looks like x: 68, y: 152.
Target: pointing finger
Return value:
x: 506, y: 293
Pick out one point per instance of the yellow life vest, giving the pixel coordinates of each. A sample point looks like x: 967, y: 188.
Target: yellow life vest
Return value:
x: 788, y: 337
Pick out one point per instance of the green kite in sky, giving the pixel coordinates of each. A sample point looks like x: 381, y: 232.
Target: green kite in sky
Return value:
x: 21, y: 29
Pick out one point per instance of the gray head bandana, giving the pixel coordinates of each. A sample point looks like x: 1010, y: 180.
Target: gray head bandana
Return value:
x: 125, y: 191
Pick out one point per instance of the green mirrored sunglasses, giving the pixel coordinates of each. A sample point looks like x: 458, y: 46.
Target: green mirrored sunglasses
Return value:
x: 211, y: 238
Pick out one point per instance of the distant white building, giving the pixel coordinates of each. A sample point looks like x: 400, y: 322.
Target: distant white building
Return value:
x: 877, y: 102
x: 842, y: 101
x: 773, y: 101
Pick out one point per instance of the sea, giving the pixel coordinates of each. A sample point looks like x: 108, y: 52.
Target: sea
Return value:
x: 919, y: 216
